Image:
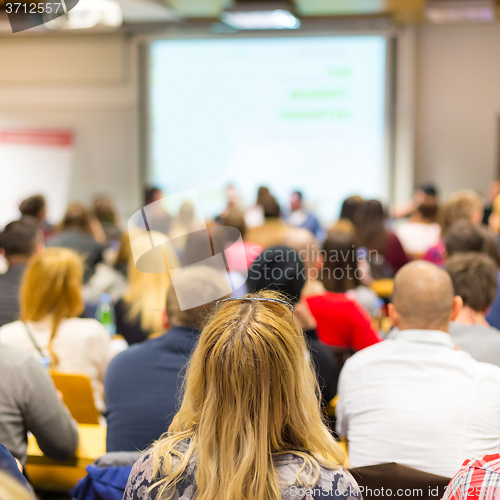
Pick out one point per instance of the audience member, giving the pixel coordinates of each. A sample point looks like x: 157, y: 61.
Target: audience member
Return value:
x: 424, y: 194
x: 273, y: 231
x: 36, y: 207
x: 280, y: 268
x: 304, y: 242
x: 478, y: 478
x: 104, y: 211
x: 415, y: 399
x: 143, y: 382
x: 11, y: 466
x: 49, y: 327
x: 19, y: 241
x: 421, y: 231
x: 464, y: 237
x: 236, y: 219
x: 254, y: 216
x: 474, y: 277
x: 346, y: 221
x: 29, y: 403
x: 461, y: 205
x: 139, y: 313
x: 158, y: 217
x: 250, y: 424
x: 371, y: 233
x: 341, y: 273
x: 184, y: 224
x: 79, y: 231
x: 300, y: 217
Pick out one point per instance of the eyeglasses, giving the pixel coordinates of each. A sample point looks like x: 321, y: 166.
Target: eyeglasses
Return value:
x: 259, y: 299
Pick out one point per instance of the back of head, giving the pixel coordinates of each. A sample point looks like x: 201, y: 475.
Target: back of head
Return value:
x: 271, y: 208
x: 152, y: 194
x: 52, y: 285
x: 33, y: 206
x: 250, y: 392
x: 205, y: 284
x: 104, y: 210
x: 369, y: 222
x: 349, y: 207
x: 474, y: 277
x: 278, y: 268
x: 463, y: 204
x: 463, y: 236
x: 77, y: 218
x: 147, y: 291
x: 20, y: 238
x: 429, y: 189
x: 423, y: 296
x: 263, y: 194
x: 428, y: 211
x: 236, y: 218
x: 304, y: 242
x: 340, y: 263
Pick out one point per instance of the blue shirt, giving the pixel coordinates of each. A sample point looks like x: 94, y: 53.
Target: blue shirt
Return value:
x: 142, y: 389
x: 8, y: 465
x: 493, y: 317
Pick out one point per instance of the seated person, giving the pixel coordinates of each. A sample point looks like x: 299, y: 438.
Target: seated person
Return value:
x: 280, y: 268
x: 300, y: 217
x: 250, y: 423
x: 477, y: 478
x: 36, y: 207
x: 341, y: 273
x: 29, y: 403
x: 139, y: 313
x: 143, y: 383
x: 464, y: 204
x: 19, y: 241
x: 385, y: 252
x: 51, y: 300
x: 80, y: 231
x: 474, y: 277
x: 421, y: 232
x: 415, y: 399
x: 273, y: 231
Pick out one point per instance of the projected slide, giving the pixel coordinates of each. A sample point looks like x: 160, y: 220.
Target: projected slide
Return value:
x: 288, y: 113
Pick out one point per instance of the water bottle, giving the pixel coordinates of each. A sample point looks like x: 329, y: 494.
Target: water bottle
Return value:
x: 105, y: 314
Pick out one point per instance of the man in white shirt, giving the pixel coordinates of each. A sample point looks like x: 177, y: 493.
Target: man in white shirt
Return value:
x: 416, y: 399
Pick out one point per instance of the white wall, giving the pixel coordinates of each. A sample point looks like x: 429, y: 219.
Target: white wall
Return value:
x: 90, y: 85
x: 457, y: 105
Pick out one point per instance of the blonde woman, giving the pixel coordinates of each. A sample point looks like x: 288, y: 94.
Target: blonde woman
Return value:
x: 50, y: 301
x: 250, y: 425
x: 139, y: 313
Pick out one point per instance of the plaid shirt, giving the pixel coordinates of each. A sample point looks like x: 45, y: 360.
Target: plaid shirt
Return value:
x: 478, y: 479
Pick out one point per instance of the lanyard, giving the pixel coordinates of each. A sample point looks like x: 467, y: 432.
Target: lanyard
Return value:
x: 44, y: 359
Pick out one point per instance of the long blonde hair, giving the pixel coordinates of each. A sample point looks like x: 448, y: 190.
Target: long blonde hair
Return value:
x: 250, y: 392
x: 52, y: 285
x: 10, y: 489
x: 146, y: 293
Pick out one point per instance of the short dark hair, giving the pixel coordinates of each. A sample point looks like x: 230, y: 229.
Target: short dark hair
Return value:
x: 20, y: 237
x: 349, y: 207
x: 32, y: 205
x: 429, y: 189
x: 428, y: 211
x: 463, y: 236
x: 103, y: 209
x: 271, y: 209
x: 299, y: 194
x: 474, y: 277
x: 149, y: 194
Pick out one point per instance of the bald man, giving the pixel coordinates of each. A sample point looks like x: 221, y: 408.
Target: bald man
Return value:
x: 416, y: 399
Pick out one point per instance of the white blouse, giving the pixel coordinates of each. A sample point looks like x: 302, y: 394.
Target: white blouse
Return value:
x: 81, y: 345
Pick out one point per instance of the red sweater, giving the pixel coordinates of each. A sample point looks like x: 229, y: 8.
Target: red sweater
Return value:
x: 342, y: 322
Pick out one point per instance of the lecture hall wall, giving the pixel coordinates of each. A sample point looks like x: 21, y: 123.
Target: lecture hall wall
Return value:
x: 90, y: 84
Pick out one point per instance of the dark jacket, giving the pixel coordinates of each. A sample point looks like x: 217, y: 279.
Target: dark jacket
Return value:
x: 142, y: 389
x: 10, y: 282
